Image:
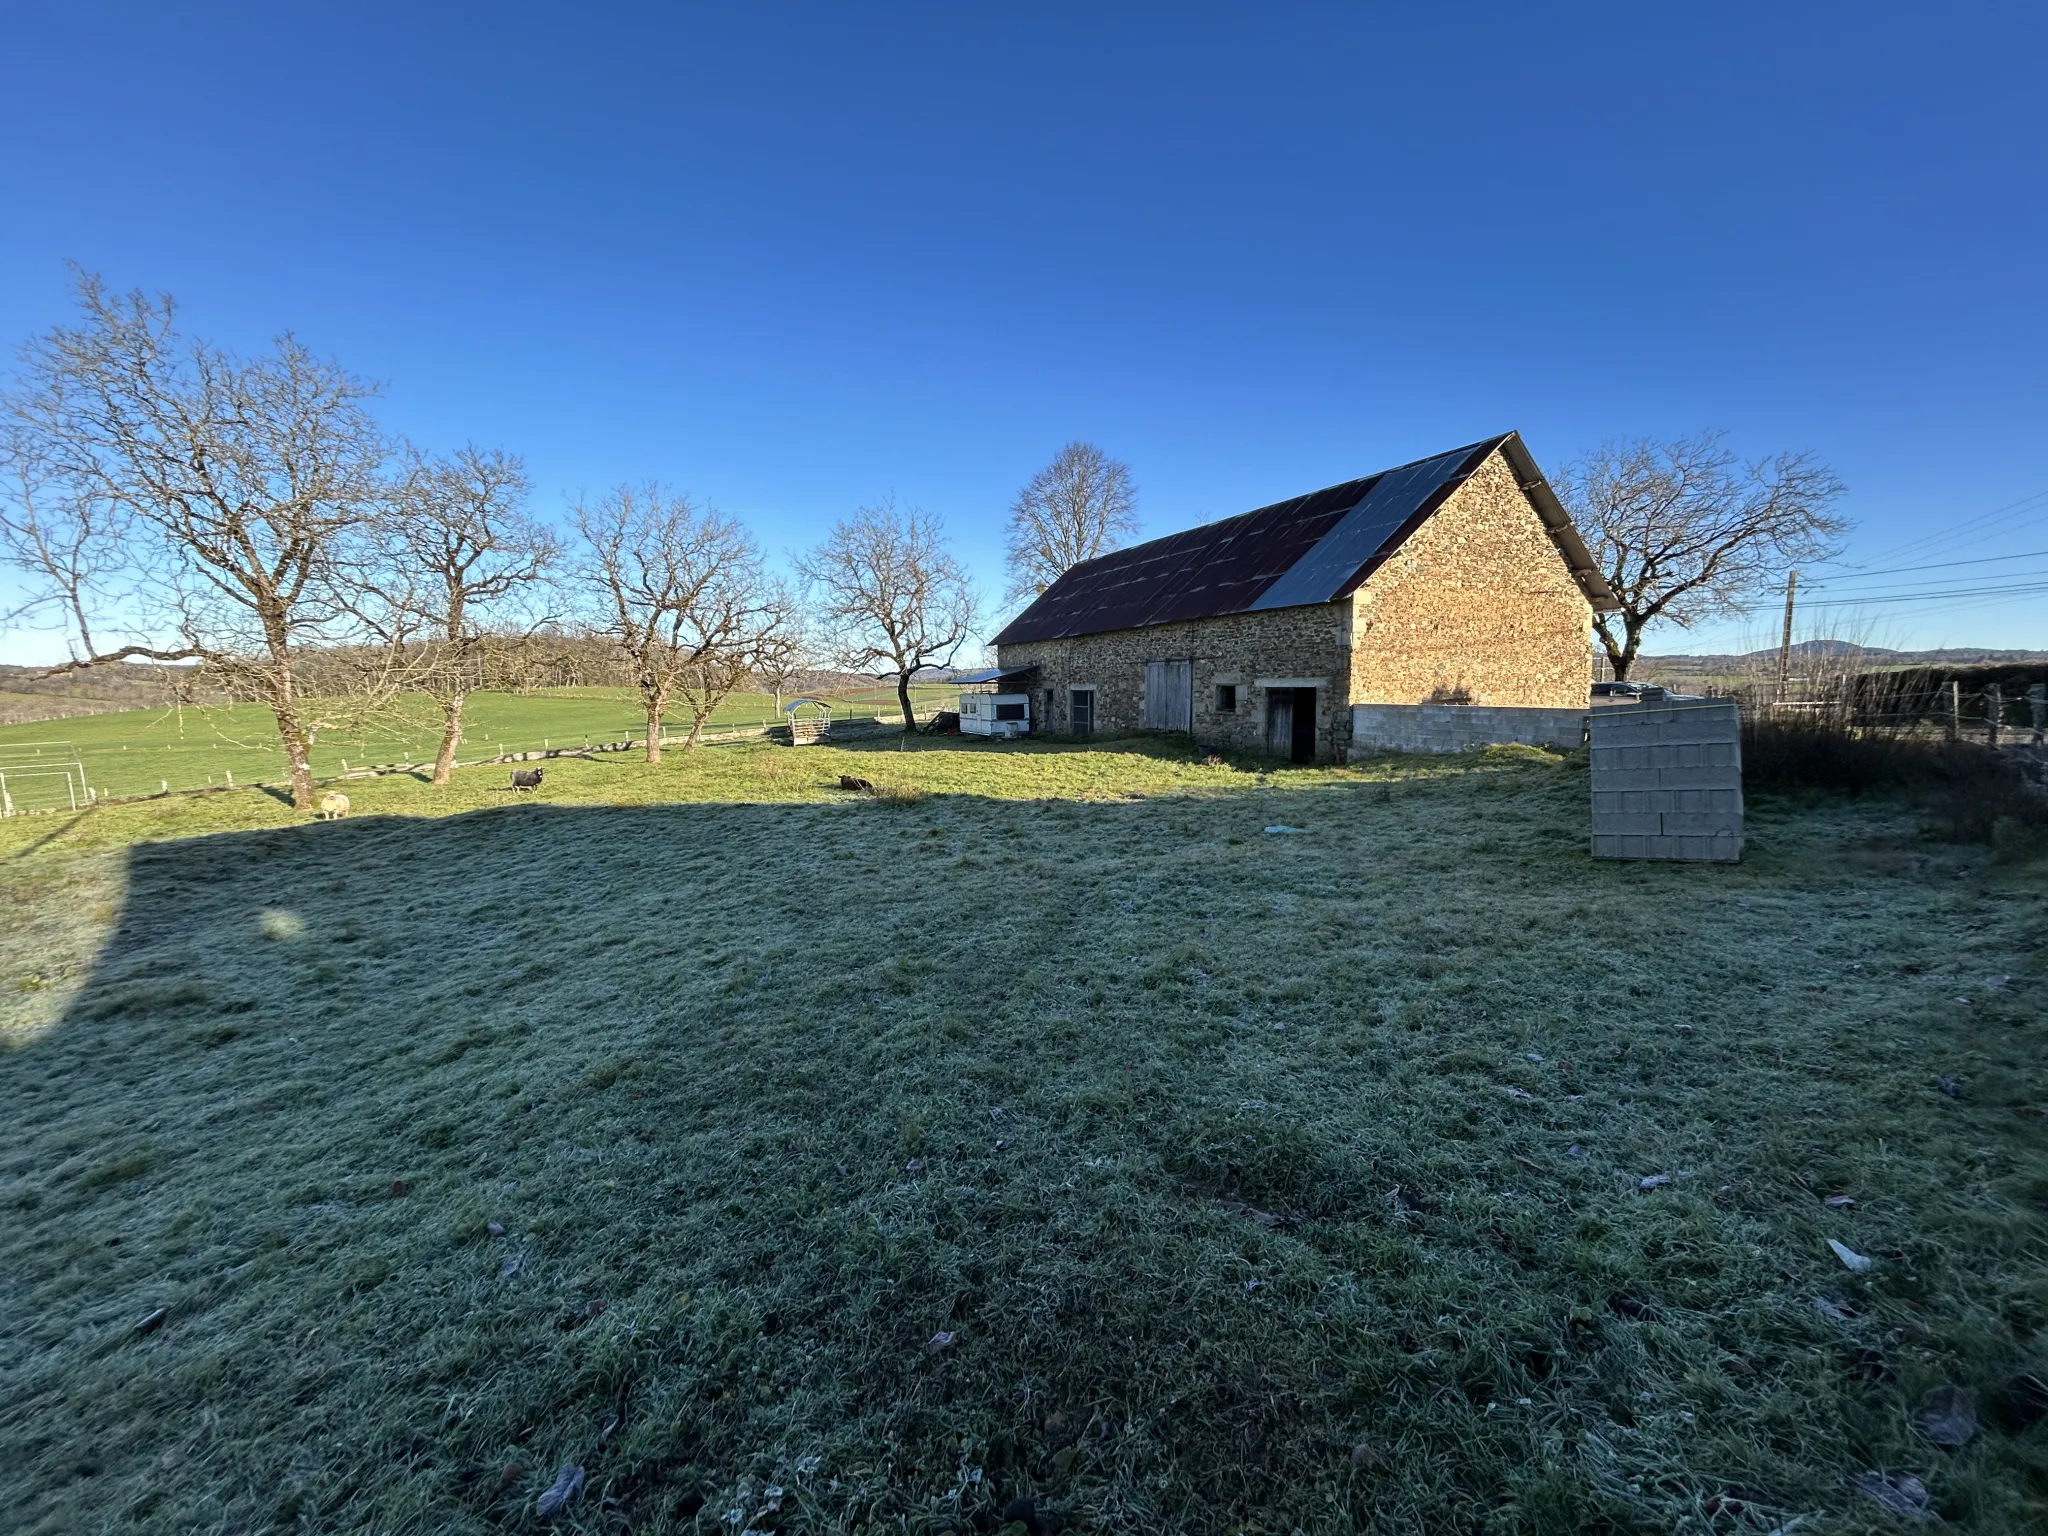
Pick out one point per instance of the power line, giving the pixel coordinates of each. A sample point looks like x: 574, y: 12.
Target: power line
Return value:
x: 1934, y: 596
x: 1978, y: 524
x: 1941, y: 565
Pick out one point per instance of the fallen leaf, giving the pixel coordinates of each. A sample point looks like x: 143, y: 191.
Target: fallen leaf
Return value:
x: 1063, y: 1461
x: 1833, y: 1309
x: 915, y: 1165
x: 494, y: 1229
x: 509, y: 1268
x: 400, y: 1187
x: 1364, y: 1457
x: 1575, y: 1150
x: 1655, y: 1181
x: 513, y: 1473
x: 1839, y: 1202
x: 1948, y: 1085
x: 152, y: 1321
x: 1263, y: 1218
x: 1849, y: 1256
x: 938, y: 1342
x: 1286, y: 829
x: 1518, y: 1093
x: 1901, y: 1494
x: 566, y: 1486
x: 1947, y: 1417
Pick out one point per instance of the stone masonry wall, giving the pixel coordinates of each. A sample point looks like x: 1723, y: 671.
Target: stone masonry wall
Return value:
x: 1301, y: 645
x: 1478, y: 600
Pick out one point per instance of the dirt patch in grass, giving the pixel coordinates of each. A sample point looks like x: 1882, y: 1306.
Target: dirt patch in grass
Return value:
x: 1262, y: 1181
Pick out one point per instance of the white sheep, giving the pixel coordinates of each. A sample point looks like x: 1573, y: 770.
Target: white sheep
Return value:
x: 333, y: 805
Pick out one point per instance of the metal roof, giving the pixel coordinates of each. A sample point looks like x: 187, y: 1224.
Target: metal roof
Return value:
x: 1313, y: 549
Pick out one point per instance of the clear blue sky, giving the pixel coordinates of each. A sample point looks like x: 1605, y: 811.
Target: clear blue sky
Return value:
x: 795, y: 257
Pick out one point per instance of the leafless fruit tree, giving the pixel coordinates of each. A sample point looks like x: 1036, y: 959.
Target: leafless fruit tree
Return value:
x: 684, y: 595
x: 890, y: 592
x: 1081, y: 505
x: 1686, y: 530
x: 218, y: 507
x: 461, y: 533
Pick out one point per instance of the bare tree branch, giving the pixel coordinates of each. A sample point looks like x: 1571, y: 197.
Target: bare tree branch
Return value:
x: 891, y: 592
x: 1684, y: 530
x: 222, y: 500
x: 683, y: 594
x: 461, y: 529
x: 1081, y: 505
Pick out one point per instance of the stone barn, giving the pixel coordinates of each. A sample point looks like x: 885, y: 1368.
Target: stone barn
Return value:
x: 1454, y: 579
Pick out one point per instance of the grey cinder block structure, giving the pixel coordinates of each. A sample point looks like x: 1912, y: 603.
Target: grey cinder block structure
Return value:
x: 1667, y: 781
x: 1454, y: 727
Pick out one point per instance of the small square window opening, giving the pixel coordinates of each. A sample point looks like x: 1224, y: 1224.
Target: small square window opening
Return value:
x: 1226, y: 698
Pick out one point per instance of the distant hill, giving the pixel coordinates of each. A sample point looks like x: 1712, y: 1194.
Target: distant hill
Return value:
x: 1743, y: 663
x: 26, y: 694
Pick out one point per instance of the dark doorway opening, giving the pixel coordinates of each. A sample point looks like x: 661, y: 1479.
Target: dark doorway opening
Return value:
x: 1291, y: 723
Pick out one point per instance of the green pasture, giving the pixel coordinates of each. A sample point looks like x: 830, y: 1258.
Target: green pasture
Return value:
x: 1060, y: 1138
x: 139, y: 751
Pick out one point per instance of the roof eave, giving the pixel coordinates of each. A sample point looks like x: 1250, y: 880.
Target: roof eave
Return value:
x: 1562, y: 531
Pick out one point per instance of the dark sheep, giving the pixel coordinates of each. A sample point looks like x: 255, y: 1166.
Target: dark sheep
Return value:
x: 858, y: 786
x: 527, y: 778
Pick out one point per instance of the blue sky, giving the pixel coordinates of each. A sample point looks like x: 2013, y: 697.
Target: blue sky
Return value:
x: 797, y: 257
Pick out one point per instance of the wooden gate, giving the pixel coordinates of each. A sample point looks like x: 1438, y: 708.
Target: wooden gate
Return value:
x: 1169, y: 695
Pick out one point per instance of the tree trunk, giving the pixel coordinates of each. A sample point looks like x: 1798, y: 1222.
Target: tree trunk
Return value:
x: 903, y: 698
x: 297, y: 758
x: 654, y: 733
x: 697, y: 719
x: 1621, y: 656
x: 451, y: 738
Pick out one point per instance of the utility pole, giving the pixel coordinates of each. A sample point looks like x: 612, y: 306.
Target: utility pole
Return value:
x: 1785, y: 644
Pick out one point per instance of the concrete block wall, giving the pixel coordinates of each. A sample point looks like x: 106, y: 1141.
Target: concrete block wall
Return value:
x: 1667, y: 781
x: 1454, y: 727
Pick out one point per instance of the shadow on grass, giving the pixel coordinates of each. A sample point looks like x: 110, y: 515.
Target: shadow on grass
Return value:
x: 907, y: 1159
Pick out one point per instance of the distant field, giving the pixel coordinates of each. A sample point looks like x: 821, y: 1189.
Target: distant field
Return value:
x: 139, y: 751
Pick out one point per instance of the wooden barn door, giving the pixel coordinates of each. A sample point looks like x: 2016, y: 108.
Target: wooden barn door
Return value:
x: 1291, y: 723
x: 1280, y: 722
x: 1169, y: 695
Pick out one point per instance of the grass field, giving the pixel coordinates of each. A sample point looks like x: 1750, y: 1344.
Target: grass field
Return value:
x: 1045, y: 1128
x: 138, y: 751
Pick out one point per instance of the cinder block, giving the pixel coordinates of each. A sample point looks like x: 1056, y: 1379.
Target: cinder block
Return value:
x: 1646, y: 824
x: 1695, y: 777
x: 1696, y: 824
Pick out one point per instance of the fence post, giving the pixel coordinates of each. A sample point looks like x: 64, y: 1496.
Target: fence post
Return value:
x: 1994, y: 706
x: 1955, y: 710
x: 2037, y: 706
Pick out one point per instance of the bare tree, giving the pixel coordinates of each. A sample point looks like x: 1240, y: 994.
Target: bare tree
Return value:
x: 1685, y: 530
x: 216, y: 506
x: 684, y: 596
x: 463, y: 535
x: 1081, y: 505
x: 891, y: 592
